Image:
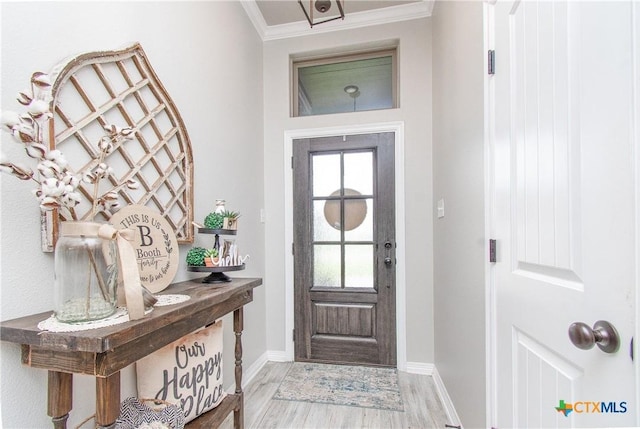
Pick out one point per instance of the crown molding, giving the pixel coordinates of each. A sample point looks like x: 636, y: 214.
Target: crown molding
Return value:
x: 255, y: 16
x: 404, y: 12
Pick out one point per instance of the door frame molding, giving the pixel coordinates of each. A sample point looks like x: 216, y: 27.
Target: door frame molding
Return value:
x: 491, y: 369
x: 635, y: 118
x: 291, y: 135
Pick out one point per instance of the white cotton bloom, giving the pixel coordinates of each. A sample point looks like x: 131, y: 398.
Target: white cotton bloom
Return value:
x: 112, y: 205
x: 49, y: 203
x: 41, y: 80
x: 89, y: 177
x: 20, y: 171
x: 110, y: 129
x: 132, y: 184
x: 9, y: 120
x: 110, y: 196
x: 127, y: 133
x: 49, y: 169
x: 115, y: 132
x: 52, y: 187
x: 38, y: 108
x: 108, y: 205
x: 105, y: 144
x: 71, y: 179
x: 57, y: 157
x: 36, y: 150
x: 71, y: 199
x: 102, y: 170
x: 23, y: 133
x: 109, y: 201
x: 26, y: 118
x: 24, y: 98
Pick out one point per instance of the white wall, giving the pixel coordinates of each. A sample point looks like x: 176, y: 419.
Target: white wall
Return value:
x: 459, y: 237
x: 414, y: 61
x: 209, y: 57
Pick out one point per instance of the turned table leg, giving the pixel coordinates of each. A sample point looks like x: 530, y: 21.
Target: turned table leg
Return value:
x: 238, y: 413
x: 60, y: 398
x: 107, y: 400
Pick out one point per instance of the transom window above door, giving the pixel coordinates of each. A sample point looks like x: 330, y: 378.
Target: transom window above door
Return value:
x: 347, y: 83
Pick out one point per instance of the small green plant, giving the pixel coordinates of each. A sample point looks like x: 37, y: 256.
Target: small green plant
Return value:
x: 195, y: 256
x: 231, y: 214
x: 214, y: 221
x: 211, y: 253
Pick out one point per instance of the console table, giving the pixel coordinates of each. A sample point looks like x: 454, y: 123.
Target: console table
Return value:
x: 104, y: 352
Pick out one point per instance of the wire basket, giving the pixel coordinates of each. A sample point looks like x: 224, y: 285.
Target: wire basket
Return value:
x: 137, y: 413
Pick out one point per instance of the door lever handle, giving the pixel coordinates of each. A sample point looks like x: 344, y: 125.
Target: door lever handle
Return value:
x: 604, y: 334
x: 387, y: 259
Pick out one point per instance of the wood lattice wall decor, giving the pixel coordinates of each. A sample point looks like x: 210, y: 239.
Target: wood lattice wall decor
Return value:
x: 121, y: 88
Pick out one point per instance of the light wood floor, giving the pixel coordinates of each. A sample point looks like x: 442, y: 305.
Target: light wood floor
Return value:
x: 422, y: 406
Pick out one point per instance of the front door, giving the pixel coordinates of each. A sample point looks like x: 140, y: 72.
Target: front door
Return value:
x: 344, y: 249
x: 565, y: 102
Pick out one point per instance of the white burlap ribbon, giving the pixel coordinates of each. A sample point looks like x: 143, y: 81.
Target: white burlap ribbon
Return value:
x: 127, y: 261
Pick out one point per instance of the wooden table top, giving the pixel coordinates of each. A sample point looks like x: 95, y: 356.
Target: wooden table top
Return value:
x: 207, y: 301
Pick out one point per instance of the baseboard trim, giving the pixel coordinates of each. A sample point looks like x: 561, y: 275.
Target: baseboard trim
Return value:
x: 249, y: 373
x: 420, y: 368
x: 447, y: 404
x: 277, y: 356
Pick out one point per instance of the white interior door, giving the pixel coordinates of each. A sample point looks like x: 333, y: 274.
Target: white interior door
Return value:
x: 563, y: 135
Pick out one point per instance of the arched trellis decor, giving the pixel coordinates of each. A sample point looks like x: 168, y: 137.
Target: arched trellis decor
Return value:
x: 121, y: 88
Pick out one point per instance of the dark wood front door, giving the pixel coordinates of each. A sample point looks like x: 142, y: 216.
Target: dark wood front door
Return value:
x: 344, y: 249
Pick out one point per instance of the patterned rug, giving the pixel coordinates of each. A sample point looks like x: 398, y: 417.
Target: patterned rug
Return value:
x: 356, y: 386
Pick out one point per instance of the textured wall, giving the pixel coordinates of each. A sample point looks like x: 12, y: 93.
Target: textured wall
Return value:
x: 459, y: 237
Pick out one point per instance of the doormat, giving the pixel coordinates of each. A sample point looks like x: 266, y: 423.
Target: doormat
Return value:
x: 355, y: 386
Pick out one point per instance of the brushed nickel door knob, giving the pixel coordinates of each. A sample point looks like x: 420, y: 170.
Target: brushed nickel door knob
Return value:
x: 604, y: 334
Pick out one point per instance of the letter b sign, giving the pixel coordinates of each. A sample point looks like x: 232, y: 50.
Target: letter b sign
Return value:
x: 145, y: 235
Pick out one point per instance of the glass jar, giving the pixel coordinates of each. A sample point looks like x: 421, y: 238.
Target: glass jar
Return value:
x: 86, y: 274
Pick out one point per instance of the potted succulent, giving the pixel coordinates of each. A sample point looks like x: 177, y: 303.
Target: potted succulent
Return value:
x: 222, y: 220
x: 211, y: 258
x: 230, y: 219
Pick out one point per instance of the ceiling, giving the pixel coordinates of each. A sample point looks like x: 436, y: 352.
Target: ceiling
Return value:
x: 278, y: 19
x: 277, y: 12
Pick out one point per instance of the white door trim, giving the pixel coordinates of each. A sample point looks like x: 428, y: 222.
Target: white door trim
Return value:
x: 635, y: 17
x: 289, y: 136
x: 489, y: 188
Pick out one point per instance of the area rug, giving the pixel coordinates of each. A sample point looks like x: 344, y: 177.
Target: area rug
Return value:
x: 356, y: 386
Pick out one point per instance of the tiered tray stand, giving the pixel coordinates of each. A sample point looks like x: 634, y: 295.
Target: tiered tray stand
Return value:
x: 217, y: 273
